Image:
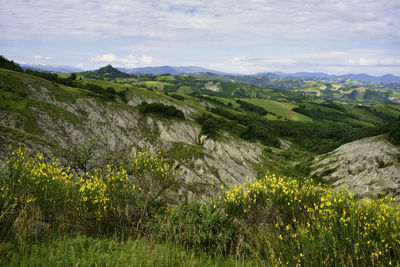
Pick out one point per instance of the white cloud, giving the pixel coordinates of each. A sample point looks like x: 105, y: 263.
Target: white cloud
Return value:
x: 256, y: 19
x: 146, y: 59
x: 128, y: 61
x: 105, y: 58
x: 308, y: 32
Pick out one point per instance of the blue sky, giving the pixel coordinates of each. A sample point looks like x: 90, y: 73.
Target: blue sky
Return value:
x: 233, y: 36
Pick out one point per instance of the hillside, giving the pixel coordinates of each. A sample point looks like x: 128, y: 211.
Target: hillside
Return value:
x: 107, y: 162
x: 368, y: 167
x: 242, y: 128
x: 347, y: 91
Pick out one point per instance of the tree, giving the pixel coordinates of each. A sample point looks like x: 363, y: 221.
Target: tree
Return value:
x: 73, y: 76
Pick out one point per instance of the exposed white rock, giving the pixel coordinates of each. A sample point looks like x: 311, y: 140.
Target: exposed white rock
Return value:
x: 368, y: 167
x: 221, y: 162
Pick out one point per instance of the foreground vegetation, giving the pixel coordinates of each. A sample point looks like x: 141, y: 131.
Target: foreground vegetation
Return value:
x: 129, y: 214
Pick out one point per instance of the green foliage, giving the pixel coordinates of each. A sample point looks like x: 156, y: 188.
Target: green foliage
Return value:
x: 273, y: 221
x: 89, y: 251
x: 197, y: 227
x: 179, y: 97
x: 393, y: 130
x: 110, y: 200
x: 165, y: 111
x: 298, y: 222
x: 253, y: 108
x: 182, y: 151
x: 10, y: 65
x: 209, y: 125
x: 72, y: 76
x: 53, y: 77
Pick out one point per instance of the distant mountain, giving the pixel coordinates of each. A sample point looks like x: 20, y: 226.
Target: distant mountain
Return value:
x: 106, y: 72
x: 160, y: 70
x: 49, y: 68
x: 316, y: 76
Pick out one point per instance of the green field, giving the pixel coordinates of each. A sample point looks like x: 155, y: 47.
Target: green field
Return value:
x: 283, y: 109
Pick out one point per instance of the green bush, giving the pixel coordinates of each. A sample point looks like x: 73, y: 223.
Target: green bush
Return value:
x: 165, y: 111
x: 197, y: 227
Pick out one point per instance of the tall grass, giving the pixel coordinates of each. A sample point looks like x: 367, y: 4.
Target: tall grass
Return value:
x: 88, y: 251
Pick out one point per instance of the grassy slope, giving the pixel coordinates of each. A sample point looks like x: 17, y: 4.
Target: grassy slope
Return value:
x: 283, y: 109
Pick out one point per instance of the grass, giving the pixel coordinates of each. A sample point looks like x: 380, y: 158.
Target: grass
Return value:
x: 283, y: 109
x: 181, y: 150
x: 88, y: 251
x: 118, y: 87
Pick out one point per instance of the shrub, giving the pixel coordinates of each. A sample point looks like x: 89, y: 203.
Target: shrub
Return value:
x: 165, y: 111
x: 34, y: 191
x: 251, y: 107
x: 299, y: 222
x: 198, y: 227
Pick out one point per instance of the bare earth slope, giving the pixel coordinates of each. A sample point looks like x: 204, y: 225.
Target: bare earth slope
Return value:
x: 206, y: 164
x: 368, y: 167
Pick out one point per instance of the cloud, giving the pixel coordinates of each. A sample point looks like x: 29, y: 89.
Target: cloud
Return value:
x: 128, y: 61
x: 105, y: 58
x: 42, y: 57
x: 260, y: 20
x: 339, y: 61
x: 146, y: 59
x: 219, y: 33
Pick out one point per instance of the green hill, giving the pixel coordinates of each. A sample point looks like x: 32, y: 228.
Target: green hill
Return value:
x: 349, y: 93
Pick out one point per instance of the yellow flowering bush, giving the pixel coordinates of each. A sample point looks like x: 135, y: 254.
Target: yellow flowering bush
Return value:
x: 107, y: 199
x: 153, y: 175
x: 299, y: 222
x: 285, y: 197
x: 57, y: 192
x: 153, y: 165
x: 47, y: 184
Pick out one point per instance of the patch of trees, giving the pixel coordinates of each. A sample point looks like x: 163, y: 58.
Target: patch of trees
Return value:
x: 53, y: 77
x: 166, y: 111
x: 179, y: 97
x: 9, y: 64
x: 213, y: 100
x: 252, y: 108
x: 321, y: 114
x: 316, y: 136
x: 170, y: 88
x: 393, y: 130
x: 209, y: 125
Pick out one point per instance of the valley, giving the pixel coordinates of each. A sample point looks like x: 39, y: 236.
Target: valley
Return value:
x: 128, y: 155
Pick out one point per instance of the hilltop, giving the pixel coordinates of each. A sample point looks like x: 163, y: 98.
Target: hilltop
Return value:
x: 106, y: 72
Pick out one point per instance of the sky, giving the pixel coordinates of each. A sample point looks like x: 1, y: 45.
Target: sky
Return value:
x: 235, y: 36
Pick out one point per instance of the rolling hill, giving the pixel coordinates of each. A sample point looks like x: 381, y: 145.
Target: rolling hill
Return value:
x: 229, y: 130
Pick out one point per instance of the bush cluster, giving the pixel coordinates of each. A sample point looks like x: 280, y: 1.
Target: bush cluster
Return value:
x: 299, y: 222
x: 165, y: 111
x: 35, y: 192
